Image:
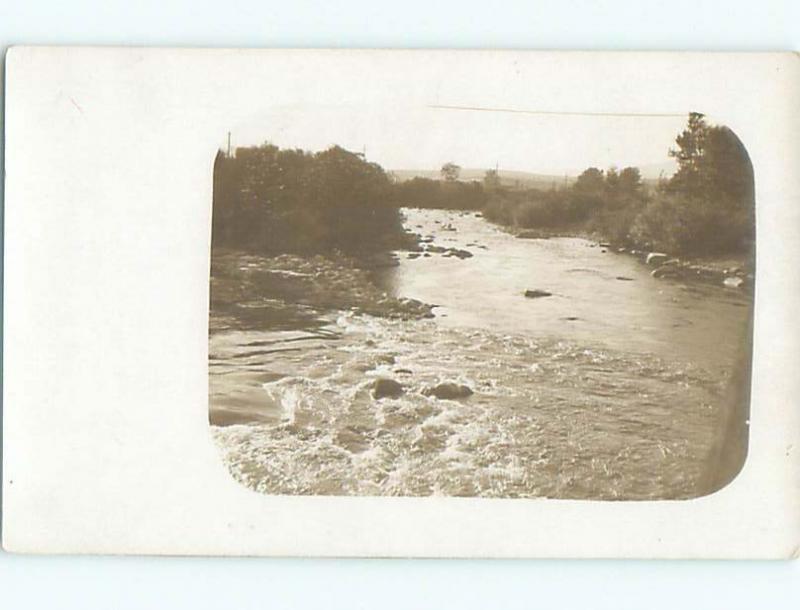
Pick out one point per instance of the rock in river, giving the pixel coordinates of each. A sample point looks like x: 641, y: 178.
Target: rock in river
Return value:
x: 436, y: 249
x: 733, y: 282
x: 535, y: 294
x: 448, y: 391
x: 386, y: 388
x: 667, y: 271
x: 656, y: 258
x: 462, y: 254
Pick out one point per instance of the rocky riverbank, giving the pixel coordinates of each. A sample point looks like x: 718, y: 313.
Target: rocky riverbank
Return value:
x: 290, y: 289
x: 736, y: 271
x: 730, y: 272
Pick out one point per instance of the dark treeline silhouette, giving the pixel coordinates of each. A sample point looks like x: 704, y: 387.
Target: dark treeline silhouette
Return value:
x: 273, y: 200
x: 599, y: 202
x: 706, y: 208
x: 448, y: 194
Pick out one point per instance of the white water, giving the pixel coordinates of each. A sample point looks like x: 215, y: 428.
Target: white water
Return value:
x: 608, y: 389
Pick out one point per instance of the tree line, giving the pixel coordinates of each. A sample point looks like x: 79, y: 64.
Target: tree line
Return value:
x: 706, y: 208
x: 289, y: 200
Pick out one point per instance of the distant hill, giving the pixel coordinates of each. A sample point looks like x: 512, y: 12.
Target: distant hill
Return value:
x: 509, y: 178
x: 524, y: 180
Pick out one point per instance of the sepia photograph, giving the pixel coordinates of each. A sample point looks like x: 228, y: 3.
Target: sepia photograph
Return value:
x: 481, y: 302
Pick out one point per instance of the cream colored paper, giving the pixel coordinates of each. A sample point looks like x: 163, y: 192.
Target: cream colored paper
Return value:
x: 108, y: 202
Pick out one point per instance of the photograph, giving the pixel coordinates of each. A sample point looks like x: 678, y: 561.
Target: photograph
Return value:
x: 481, y: 302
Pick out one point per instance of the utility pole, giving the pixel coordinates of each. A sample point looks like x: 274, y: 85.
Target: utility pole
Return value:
x: 229, y: 144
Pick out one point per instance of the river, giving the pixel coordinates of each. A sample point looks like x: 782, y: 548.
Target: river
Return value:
x: 613, y: 387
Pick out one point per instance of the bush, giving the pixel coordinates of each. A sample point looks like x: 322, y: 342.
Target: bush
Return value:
x: 693, y: 225
x: 533, y: 208
x: 447, y: 195
x: 274, y: 200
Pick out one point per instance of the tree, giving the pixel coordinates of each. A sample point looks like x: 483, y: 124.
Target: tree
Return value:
x: 491, y: 179
x: 590, y: 181
x: 275, y: 200
x: 691, y: 144
x: 450, y: 172
x: 612, y: 179
x: 630, y: 180
x: 707, y: 206
x: 712, y: 163
x: 725, y: 169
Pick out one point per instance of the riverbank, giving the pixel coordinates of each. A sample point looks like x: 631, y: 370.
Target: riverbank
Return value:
x: 731, y: 271
x: 293, y: 290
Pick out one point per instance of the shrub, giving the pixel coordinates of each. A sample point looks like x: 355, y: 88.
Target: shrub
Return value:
x: 448, y: 195
x: 274, y: 200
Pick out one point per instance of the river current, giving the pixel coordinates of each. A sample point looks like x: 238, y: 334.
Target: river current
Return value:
x: 613, y: 387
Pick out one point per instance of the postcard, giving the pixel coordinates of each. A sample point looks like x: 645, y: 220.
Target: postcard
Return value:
x: 401, y: 303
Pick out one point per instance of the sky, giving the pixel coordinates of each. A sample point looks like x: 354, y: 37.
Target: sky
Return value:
x: 426, y: 137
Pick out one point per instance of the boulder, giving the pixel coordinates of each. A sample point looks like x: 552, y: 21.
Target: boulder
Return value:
x: 666, y: 271
x: 448, y: 391
x: 462, y: 254
x: 733, y: 282
x: 656, y: 258
x: 536, y: 294
x: 386, y: 388
x: 703, y: 272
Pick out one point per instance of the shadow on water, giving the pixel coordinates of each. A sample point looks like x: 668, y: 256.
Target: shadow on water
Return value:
x: 728, y: 455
